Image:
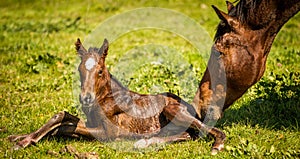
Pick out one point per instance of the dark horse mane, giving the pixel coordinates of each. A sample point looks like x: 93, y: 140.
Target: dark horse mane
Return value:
x: 259, y: 14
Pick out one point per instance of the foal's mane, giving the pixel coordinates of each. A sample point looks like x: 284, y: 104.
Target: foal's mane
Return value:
x: 117, y: 82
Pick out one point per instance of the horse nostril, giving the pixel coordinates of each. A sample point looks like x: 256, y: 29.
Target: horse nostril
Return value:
x: 88, y: 95
x: 89, y: 98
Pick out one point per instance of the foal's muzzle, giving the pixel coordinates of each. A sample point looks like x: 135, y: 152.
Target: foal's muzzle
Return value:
x: 87, y: 99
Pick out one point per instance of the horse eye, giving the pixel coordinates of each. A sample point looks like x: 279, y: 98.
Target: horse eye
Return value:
x: 100, y: 72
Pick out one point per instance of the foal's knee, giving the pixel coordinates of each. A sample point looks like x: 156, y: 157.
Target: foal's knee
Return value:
x: 58, y: 117
x: 64, y: 118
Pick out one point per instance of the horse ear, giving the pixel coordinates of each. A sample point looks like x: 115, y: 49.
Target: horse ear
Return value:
x: 80, y: 49
x: 230, y: 6
x: 104, y: 48
x: 231, y: 21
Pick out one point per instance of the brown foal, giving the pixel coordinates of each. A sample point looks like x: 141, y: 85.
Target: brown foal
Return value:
x: 113, y: 111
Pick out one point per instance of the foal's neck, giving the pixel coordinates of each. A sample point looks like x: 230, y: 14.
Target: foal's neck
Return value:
x: 116, y: 85
x: 111, y: 88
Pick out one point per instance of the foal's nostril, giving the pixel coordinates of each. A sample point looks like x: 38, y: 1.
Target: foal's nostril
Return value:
x: 87, y: 99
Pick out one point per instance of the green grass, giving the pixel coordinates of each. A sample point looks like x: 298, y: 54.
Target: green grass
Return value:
x: 38, y: 61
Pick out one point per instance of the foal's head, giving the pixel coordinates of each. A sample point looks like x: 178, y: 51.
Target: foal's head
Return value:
x: 93, y: 73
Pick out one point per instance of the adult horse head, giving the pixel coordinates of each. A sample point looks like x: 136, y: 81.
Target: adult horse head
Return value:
x: 238, y: 56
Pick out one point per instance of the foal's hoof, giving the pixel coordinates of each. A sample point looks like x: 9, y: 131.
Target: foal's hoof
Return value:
x: 14, y: 138
x: 16, y: 147
x: 142, y: 143
x: 23, y: 143
x: 214, y: 152
x: 217, y: 149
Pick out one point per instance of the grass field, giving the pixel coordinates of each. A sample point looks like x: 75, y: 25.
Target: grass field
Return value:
x: 38, y: 62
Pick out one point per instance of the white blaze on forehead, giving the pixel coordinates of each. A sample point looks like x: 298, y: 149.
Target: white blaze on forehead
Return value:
x: 90, y: 63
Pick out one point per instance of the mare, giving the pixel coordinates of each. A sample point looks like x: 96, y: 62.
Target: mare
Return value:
x: 238, y: 56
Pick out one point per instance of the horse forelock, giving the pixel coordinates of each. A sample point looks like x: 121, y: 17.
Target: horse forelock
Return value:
x: 249, y: 14
x: 93, y: 50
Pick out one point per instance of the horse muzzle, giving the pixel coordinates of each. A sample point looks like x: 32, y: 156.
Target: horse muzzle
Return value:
x: 87, y: 99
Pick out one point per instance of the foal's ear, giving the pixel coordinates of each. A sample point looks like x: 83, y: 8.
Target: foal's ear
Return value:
x: 80, y: 49
x: 104, y: 48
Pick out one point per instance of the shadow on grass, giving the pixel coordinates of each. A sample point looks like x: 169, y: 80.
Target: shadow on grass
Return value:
x: 276, y: 107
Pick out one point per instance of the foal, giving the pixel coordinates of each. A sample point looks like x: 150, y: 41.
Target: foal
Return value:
x: 113, y: 111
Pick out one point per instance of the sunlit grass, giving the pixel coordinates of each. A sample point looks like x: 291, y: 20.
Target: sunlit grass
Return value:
x: 38, y: 61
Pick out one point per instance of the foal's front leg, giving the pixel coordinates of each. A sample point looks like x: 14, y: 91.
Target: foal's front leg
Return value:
x: 61, y: 123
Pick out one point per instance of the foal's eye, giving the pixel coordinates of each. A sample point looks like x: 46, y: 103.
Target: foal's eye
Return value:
x: 100, y: 72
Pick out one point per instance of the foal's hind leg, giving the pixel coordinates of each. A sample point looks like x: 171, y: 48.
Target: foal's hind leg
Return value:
x: 61, y: 123
x: 180, y: 117
x: 143, y: 143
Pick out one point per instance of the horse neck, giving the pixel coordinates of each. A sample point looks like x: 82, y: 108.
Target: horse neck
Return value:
x: 116, y: 85
x: 111, y: 87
